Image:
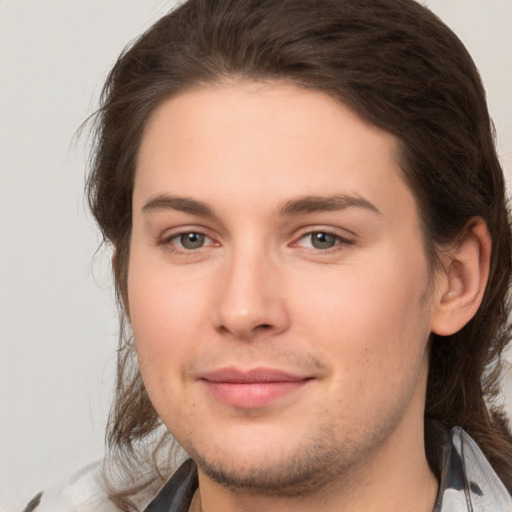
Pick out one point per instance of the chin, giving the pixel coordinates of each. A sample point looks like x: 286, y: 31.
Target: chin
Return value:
x: 293, y: 475
x: 288, y: 467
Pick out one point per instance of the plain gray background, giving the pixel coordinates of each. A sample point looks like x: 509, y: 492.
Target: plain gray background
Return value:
x: 58, y: 322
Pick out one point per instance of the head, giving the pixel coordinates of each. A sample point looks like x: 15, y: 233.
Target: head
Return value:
x: 397, y: 70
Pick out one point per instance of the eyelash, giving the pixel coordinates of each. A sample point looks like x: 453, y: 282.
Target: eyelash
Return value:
x: 173, y: 247
x: 339, y: 241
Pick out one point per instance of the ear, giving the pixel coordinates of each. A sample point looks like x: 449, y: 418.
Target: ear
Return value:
x: 460, y: 284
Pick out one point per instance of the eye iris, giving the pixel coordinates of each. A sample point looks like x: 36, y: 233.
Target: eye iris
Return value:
x: 192, y: 240
x: 323, y: 240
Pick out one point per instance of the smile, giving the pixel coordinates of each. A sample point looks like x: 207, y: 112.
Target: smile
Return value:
x: 251, y: 389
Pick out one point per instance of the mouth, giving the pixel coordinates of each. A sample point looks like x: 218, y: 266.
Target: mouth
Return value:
x: 252, y: 389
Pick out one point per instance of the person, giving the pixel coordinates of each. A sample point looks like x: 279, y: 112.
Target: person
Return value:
x: 312, y: 253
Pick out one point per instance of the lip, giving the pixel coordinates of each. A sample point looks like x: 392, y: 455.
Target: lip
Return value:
x: 251, y: 389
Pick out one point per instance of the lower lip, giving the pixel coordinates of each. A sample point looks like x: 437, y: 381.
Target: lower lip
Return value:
x: 252, y: 395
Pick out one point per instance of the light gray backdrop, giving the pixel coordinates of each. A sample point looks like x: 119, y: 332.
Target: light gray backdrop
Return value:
x: 57, y: 316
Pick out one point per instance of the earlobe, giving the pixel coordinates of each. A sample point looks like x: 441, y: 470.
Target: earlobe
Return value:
x: 462, y: 281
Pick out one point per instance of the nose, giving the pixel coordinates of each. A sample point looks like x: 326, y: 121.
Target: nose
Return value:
x: 251, y: 301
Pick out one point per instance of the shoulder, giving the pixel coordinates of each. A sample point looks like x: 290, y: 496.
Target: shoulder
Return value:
x: 82, y: 492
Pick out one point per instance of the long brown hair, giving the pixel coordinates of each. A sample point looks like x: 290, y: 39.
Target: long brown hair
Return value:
x: 397, y: 66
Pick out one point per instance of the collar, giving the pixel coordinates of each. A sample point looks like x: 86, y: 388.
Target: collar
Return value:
x: 468, y: 483
x: 176, y: 494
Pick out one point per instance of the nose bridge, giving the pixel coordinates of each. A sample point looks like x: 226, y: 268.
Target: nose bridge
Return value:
x: 249, y: 298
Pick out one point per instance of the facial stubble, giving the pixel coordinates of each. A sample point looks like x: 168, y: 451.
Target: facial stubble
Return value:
x: 331, y: 458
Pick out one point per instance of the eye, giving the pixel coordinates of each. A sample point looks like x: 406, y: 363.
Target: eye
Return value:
x: 189, y: 241
x: 320, y: 240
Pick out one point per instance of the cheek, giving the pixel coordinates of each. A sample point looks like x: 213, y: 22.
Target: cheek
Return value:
x: 370, y: 320
x: 166, y: 312
x: 162, y: 315
x: 164, y: 319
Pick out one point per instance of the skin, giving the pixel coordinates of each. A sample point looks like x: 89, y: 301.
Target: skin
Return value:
x: 352, y: 320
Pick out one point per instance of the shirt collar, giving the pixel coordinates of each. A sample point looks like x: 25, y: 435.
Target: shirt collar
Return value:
x: 467, y: 484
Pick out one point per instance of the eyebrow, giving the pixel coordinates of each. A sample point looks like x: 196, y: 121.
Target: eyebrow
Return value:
x: 298, y: 206
x: 312, y: 204
x: 182, y: 204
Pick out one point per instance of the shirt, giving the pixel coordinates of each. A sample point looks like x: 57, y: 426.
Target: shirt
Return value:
x: 467, y: 484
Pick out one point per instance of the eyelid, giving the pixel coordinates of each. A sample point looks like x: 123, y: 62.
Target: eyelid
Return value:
x: 169, y: 235
x: 311, y: 230
x: 185, y: 249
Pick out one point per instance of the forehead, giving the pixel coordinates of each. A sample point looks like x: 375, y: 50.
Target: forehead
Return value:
x: 262, y: 142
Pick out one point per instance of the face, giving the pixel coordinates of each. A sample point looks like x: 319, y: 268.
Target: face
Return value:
x: 277, y: 285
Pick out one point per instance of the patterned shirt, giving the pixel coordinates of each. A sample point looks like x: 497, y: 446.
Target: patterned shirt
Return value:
x: 468, y: 484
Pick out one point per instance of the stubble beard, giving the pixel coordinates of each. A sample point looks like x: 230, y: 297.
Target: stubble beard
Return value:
x: 315, y: 465
x: 339, y: 452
